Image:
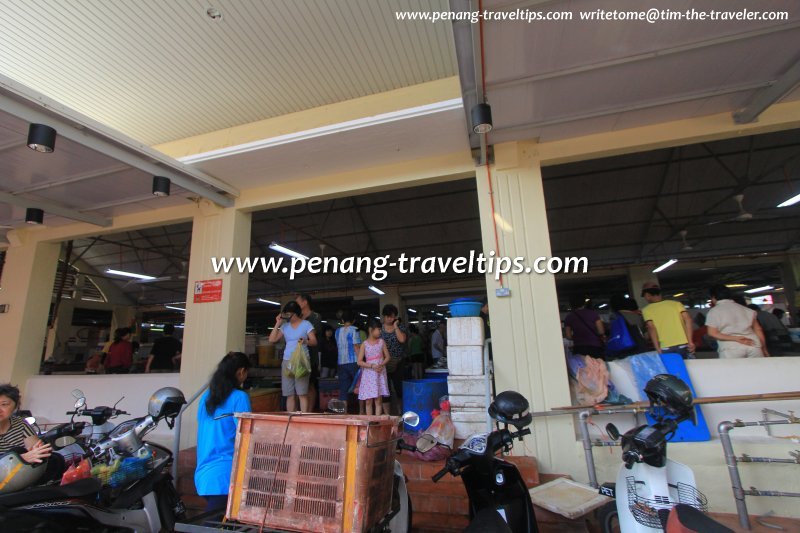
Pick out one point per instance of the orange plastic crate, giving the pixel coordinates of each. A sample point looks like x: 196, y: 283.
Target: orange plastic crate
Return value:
x: 322, y: 473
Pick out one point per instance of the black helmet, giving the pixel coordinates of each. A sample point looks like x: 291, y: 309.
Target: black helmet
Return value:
x: 511, y: 407
x: 165, y: 403
x: 671, y: 393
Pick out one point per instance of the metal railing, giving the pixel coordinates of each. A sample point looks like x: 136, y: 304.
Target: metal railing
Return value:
x: 176, y: 443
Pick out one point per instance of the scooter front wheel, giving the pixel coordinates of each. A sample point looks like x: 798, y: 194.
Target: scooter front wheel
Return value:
x: 608, y: 517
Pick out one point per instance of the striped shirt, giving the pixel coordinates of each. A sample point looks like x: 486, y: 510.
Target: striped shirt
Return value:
x: 347, y: 338
x: 15, y: 436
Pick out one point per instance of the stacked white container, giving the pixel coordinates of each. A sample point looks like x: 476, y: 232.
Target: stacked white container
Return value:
x: 466, y: 381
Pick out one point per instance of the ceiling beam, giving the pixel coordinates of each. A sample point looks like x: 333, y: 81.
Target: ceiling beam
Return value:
x: 690, y: 97
x: 72, y: 179
x: 33, y: 107
x: 769, y: 95
x: 54, y: 209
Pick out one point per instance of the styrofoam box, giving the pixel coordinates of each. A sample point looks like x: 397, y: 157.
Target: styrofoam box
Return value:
x: 468, y: 429
x: 465, y: 331
x: 476, y: 401
x: 465, y: 360
x: 468, y: 414
x: 466, y: 385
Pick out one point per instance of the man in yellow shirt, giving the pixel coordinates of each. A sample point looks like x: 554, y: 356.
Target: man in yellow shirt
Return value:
x: 668, y: 322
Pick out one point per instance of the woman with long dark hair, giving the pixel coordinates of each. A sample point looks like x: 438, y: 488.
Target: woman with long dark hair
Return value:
x: 120, y: 354
x: 216, y: 436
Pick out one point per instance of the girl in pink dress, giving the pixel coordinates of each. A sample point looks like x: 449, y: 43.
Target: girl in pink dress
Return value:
x: 372, y: 358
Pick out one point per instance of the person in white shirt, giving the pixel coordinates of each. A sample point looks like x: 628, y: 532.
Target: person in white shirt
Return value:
x: 437, y: 342
x: 734, y: 326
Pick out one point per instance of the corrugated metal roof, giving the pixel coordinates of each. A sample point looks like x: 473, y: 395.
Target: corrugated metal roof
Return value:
x: 159, y: 71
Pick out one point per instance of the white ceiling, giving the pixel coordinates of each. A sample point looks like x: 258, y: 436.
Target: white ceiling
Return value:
x: 390, y: 142
x: 159, y: 71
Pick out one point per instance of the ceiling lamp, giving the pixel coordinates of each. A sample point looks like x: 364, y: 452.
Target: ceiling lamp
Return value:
x: 482, y: 118
x: 160, y: 186
x: 41, y: 138
x: 288, y: 251
x: 665, y: 266
x: 34, y: 215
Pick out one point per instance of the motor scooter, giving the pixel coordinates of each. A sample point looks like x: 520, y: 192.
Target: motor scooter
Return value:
x: 137, y: 493
x: 499, y: 500
x: 649, y: 485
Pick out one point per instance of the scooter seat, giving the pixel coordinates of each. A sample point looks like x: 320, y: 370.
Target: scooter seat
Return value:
x: 79, y: 489
x: 687, y: 519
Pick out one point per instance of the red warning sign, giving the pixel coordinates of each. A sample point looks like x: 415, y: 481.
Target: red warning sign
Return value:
x: 206, y: 291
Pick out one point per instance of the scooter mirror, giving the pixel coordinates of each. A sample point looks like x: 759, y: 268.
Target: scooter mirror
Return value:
x: 77, y: 393
x: 31, y: 420
x: 425, y: 443
x: 612, y: 431
x: 80, y: 403
x: 411, y: 419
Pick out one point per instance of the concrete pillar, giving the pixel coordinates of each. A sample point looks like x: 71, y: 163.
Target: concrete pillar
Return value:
x: 790, y: 272
x: 59, y: 332
x: 637, y: 275
x: 27, y: 289
x: 213, y: 329
x: 392, y: 296
x: 526, y: 328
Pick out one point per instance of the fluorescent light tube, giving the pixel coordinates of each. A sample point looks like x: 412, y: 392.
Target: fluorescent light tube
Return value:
x: 678, y: 295
x: 602, y: 306
x: 442, y: 305
x: 284, y: 250
x: 376, y: 290
x: 175, y: 308
x: 665, y: 266
x: 760, y: 289
x: 128, y: 274
x: 735, y: 285
x: 411, y: 310
x: 268, y: 301
x: 791, y: 201
x: 362, y: 314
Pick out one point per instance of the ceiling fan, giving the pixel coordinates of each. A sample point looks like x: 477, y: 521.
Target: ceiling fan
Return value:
x: 686, y: 246
x: 742, y: 216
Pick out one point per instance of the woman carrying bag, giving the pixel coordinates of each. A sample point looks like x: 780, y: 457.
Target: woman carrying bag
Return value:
x: 298, y: 333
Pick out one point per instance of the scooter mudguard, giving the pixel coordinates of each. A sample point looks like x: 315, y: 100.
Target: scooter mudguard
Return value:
x: 644, y: 490
x: 507, y: 494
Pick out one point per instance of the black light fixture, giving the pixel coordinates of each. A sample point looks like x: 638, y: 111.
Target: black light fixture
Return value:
x: 41, y: 138
x: 160, y: 186
x: 34, y: 215
x: 482, y: 118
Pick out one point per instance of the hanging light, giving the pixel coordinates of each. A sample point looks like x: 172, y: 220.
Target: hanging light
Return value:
x: 34, y: 215
x: 41, y: 138
x: 482, y: 118
x: 160, y: 186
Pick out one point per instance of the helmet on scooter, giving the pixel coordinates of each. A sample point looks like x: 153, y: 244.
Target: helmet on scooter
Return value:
x: 512, y: 408
x: 166, y: 403
x: 16, y: 474
x: 671, y: 393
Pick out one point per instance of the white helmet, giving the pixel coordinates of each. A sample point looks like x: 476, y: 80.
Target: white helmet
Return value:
x: 16, y: 474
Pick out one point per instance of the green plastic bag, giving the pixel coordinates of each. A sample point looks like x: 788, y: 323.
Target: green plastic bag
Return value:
x: 298, y: 366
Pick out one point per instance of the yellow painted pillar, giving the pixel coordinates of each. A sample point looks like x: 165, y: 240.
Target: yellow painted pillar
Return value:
x: 27, y: 289
x: 214, y: 328
x: 526, y: 328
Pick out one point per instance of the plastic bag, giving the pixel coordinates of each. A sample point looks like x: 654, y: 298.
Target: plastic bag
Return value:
x: 298, y: 366
x: 74, y: 473
x: 442, y: 428
x: 620, y: 339
x: 592, y: 382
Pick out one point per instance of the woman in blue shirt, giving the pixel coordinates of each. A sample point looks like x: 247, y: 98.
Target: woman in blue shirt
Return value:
x: 216, y: 438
